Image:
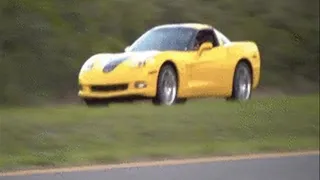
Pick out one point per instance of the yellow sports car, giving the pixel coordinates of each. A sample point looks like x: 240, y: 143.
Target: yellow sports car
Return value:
x: 170, y: 64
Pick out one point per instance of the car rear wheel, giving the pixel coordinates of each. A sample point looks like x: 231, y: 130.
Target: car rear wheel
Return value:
x: 242, y: 83
x: 166, y: 86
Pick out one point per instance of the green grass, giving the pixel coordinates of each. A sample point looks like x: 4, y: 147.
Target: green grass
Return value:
x: 76, y: 135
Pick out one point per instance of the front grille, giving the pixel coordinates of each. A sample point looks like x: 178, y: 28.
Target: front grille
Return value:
x: 109, y: 88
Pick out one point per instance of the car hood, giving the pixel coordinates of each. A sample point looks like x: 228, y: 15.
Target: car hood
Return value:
x: 106, y: 58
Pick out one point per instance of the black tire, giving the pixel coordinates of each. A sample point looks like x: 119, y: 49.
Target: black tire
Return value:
x: 242, y: 77
x: 93, y: 102
x: 166, y: 71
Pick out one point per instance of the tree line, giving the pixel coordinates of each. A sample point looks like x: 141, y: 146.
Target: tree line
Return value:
x: 44, y: 43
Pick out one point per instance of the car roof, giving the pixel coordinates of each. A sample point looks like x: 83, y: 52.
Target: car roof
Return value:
x: 197, y: 26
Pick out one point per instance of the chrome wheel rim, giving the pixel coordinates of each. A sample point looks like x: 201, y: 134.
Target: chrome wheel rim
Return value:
x: 244, y: 84
x: 169, y: 87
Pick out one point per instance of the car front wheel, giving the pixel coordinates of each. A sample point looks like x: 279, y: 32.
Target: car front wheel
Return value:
x: 166, y: 86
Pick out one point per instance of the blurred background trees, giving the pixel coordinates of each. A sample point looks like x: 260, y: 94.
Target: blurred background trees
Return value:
x: 44, y: 43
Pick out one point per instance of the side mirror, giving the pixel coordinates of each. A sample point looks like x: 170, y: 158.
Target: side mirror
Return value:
x: 127, y: 49
x: 205, y: 46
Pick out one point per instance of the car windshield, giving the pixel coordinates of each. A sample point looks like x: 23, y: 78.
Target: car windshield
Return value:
x: 164, y: 39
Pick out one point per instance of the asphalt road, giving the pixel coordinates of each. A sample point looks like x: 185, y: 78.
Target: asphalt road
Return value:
x: 302, y: 167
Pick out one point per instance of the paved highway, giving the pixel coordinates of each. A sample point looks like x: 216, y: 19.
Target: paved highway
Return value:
x: 269, y: 167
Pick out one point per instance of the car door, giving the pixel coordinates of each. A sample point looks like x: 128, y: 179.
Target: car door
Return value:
x: 211, y: 69
x: 206, y: 77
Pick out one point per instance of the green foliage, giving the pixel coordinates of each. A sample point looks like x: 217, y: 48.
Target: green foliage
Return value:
x: 43, y: 43
x: 75, y: 135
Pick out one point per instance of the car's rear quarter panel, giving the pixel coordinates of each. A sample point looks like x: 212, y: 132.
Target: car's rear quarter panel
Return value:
x: 246, y: 50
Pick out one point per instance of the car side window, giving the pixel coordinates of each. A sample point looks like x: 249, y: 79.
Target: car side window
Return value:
x: 221, y: 38
x: 205, y: 36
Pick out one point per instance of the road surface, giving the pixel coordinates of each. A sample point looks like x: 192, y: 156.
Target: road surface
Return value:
x: 287, y: 167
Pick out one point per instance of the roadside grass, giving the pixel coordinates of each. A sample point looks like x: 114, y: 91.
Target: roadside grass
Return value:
x: 68, y: 135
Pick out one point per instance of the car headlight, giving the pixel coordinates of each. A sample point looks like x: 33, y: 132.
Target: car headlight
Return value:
x: 87, y: 66
x: 141, y: 63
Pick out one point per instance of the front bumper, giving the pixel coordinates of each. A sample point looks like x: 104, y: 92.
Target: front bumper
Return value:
x: 120, y: 83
